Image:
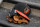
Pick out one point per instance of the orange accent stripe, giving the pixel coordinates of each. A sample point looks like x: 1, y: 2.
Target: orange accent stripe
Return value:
x: 23, y: 15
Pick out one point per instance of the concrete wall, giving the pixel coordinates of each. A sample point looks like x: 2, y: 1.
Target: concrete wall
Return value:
x: 1, y: 1
x: 7, y: 5
x: 35, y: 12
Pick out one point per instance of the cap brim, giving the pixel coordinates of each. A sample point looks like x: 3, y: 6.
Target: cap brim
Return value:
x: 23, y: 15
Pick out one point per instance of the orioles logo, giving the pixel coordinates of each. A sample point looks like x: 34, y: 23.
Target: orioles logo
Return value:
x: 26, y: 10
